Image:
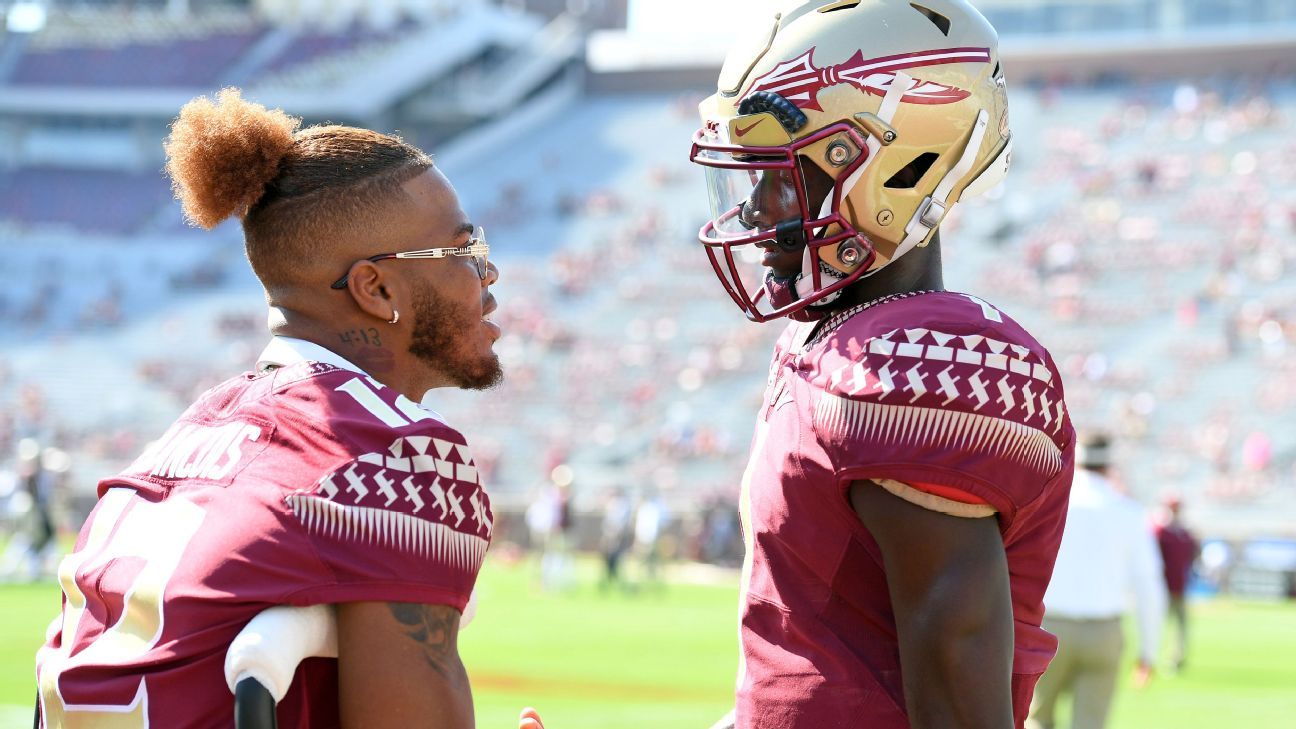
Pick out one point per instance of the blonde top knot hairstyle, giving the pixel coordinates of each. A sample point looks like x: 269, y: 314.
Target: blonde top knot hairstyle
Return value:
x: 296, y: 190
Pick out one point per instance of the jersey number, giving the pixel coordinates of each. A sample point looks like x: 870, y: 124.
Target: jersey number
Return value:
x: 987, y: 310
x: 367, y: 397
x: 123, y: 526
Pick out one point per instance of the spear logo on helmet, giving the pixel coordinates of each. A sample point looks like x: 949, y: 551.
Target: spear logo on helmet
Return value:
x: 800, y: 81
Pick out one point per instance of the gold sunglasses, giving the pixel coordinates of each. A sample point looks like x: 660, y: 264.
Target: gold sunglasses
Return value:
x: 476, y: 247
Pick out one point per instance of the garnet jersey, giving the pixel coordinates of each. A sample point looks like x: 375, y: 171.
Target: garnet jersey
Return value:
x: 299, y: 485
x: 945, y: 400
x: 1178, y: 552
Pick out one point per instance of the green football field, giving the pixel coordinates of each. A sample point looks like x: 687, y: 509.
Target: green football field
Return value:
x: 667, y: 659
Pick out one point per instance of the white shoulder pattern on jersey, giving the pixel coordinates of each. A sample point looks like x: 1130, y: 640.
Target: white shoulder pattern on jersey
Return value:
x: 422, y: 495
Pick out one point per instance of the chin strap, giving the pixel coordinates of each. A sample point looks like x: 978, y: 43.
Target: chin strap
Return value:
x: 805, y: 282
x: 932, y: 210
x: 783, y: 291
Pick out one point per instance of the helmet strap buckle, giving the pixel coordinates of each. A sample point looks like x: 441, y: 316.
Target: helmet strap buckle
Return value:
x: 933, y: 213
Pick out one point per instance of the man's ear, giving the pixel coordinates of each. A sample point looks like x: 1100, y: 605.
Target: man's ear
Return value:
x: 372, y: 290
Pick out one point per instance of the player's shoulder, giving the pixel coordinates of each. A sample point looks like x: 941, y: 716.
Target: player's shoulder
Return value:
x: 929, y: 319
x: 356, y: 410
x: 301, y: 418
x: 401, y: 465
x: 941, y: 350
x: 940, y: 326
x: 395, y: 455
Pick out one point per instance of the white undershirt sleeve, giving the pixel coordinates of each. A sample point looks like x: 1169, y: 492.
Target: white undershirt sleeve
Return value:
x: 932, y: 502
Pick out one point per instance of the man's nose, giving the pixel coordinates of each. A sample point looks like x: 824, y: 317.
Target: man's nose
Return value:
x: 754, y: 215
x: 773, y: 200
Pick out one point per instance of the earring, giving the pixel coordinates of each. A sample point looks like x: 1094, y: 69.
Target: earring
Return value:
x: 395, y: 317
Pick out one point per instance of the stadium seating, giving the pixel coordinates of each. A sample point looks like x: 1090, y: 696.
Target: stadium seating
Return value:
x: 108, y: 47
x: 1144, y: 235
x: 104, y: 201
x: 309, y: 45
x: 184, y: 63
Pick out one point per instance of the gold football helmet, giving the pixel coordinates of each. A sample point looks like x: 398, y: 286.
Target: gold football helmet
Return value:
x: 902, y: 105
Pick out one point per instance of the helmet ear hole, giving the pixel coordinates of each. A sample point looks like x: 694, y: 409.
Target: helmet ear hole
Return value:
x: 911, y: 173
x: 839, y: 5
x: 940, y: 21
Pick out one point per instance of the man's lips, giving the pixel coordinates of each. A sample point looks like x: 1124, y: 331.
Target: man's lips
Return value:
x: 488, y: 308
x: 783, y: 262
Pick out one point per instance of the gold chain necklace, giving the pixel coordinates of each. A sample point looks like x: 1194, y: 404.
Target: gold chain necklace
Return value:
x: 836, y: 320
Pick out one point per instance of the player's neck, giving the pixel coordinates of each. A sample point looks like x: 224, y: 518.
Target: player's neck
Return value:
x: 366, y: 343
x: 919, y: 270
x: 379, y: 348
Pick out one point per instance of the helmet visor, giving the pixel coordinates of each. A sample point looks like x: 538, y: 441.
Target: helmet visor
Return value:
x: 748, y: 195
x: 750, y: 189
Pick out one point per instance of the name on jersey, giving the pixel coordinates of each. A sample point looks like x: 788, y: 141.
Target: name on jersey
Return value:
x: 190, y: 450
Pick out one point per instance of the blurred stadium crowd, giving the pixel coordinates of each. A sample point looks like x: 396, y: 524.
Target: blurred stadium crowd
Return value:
x: 1147, y: 234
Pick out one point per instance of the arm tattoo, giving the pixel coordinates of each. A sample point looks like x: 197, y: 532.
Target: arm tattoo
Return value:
x: 436, y: 629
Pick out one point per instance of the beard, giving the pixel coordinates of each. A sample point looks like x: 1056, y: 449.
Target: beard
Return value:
x: 441, y: 341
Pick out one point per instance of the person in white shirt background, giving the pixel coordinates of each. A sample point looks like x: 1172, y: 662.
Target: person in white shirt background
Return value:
x: 1108, y: 555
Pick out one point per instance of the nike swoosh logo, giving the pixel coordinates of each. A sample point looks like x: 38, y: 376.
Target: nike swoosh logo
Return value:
x: 742, y: 131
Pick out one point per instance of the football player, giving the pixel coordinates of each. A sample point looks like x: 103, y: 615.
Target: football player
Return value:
x: 315, y: 478
x: 909, y: 472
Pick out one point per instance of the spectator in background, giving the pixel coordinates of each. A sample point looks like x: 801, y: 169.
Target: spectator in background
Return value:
x: 650, y: 517
x: 548, y: 520
x: 615, y: 538
x: 1257, y: 452
x: 1179, y: 549
x: 1107, y: 554
x: 721, y: 538
x: 34, y: 547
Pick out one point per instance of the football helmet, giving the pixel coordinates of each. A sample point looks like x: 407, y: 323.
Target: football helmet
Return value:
x: 901, y: 105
